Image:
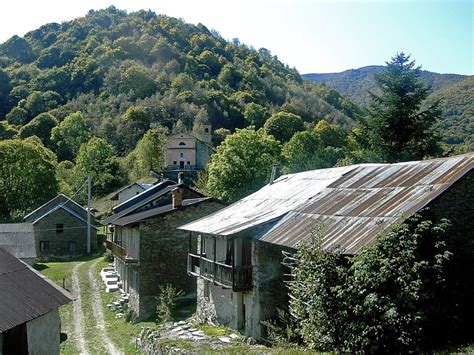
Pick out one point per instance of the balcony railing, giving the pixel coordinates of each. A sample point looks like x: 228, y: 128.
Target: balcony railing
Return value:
x: 238, y: 278
x: 119, y: 251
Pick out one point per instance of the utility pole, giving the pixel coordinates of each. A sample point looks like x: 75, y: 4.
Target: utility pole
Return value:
x: 89, y: 179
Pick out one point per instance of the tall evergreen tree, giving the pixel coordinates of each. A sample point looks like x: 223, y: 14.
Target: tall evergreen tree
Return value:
x: 399, y: 126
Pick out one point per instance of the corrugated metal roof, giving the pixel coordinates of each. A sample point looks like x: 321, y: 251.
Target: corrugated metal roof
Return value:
x: 24, y: 294
x: 370, y: 198
x: 269, y: 203
x: 18, y: 239
x: 154, y: 212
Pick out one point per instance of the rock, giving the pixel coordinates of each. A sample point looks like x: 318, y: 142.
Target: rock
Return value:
x: 251, y: 341
x: 224, y: 339
x: 234, y: 336
x: 182, y: 322
x: 177, y: 329
x: 185, y: 326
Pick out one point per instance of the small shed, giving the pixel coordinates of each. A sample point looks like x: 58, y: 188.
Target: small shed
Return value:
x: 19, y: 240
x: 29, y: 303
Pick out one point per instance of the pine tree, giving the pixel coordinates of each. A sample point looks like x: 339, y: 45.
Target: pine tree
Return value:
x: 399, y: 126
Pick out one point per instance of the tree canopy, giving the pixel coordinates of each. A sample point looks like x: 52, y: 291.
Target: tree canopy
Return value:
x: 242, y: 164
x: 27, y: 177
x: 397, y: 126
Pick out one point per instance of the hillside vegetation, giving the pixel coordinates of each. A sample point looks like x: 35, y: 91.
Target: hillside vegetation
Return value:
x: 454, y: 91
x: 128, y: 72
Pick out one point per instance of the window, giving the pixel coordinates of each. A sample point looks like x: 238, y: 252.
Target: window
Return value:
x: 206, y: 130
x: 44, y: 245
x: 174, y: 163
x: 181, y: 155
x: 72, y: 247
x: 189, y: 163
x: 59, y: 228
x: 181, y: 164
x: 182, y: 143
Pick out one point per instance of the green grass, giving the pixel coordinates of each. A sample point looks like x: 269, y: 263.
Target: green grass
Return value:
x: 219, y: 331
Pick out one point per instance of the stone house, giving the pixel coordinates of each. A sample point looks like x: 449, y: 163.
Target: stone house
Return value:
x: 239, y: 250
x: 60, y: 227
x: 19, y: 240
x: 29, y: 316
x: 148, y: 249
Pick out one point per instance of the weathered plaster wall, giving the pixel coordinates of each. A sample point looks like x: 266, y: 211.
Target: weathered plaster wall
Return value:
x: 43, y: 334
x: 74, y: 230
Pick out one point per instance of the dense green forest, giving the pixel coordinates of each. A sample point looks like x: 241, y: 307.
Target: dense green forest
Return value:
x: 92, y: 87
x: 454, y: 92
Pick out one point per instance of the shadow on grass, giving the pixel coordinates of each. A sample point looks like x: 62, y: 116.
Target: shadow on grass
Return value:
x: 184, y: 309
x: 40, y: 267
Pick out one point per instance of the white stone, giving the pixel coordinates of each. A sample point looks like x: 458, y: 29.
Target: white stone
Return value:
x: 224, y: 339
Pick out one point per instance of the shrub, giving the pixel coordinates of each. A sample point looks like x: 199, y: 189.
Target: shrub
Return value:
x: 166, y: 303
x: 383, y: 300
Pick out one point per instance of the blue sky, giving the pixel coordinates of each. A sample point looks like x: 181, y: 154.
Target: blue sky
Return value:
x: 311, y: 35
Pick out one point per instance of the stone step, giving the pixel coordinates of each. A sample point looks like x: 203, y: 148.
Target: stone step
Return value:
x: 112, y: 281
x: 111, y: 288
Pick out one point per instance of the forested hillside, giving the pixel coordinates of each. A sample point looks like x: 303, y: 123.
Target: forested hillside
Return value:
x: 100, y: 92
x: 453, y: 90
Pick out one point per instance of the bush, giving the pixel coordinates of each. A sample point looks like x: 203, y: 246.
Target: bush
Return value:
x: 389, y: 298
x: 166, y: 303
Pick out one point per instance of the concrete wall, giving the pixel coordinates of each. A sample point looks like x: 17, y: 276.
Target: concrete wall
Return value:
x: 43, y: 334
x: 74, y: 230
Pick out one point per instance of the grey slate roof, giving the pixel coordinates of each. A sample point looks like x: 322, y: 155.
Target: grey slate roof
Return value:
x: 154, y: 212
x: 24, y: 293
x: 18, y: 239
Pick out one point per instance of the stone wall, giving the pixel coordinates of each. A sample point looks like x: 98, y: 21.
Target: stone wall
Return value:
x: 269, y: 289
x: 74, y: 231
x: 163, y: 254
x: 43, y: 334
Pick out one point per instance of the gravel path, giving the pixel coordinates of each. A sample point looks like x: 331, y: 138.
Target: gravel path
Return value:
x: 98, y: 313
x: 78, y: 315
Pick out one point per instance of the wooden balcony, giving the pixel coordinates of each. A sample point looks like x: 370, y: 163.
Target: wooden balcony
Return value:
x: 119, y: 252
x: 237, y: 278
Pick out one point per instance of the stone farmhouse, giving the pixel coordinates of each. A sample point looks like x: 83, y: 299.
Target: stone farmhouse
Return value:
x: 60, y: 227
x: 148, y: 249
x: 239, y: 249
x: 19, y: 240
x: 29, y: 316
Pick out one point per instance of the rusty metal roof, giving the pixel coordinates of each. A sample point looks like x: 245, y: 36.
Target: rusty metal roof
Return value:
x: 24, y: 293
x: 370, y: 198
x: 271, y: 202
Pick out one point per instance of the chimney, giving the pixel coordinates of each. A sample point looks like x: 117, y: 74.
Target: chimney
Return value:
x: 180, y: 177
x: 272, y: 176
x: 177, y: 196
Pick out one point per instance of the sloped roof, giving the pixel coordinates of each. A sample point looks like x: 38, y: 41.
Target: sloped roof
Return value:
x: 157, y: 211
x: 18, y: 239
x: 60, y: 199
x: 63, y: 207
x: 267, y: 204
x: 367, y: 200
x: 114, y: 195
x: 24, y: 293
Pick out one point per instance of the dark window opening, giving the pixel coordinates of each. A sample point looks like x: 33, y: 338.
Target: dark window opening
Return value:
x: 59, y: 228
x: 206, y: 130
x: 44, y: 245
x: 189, y: 163
x: 181, y: 164
x: 72, y: 247
x: 182, y: 143
x: 174, y: 163
x: 181, y: 155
